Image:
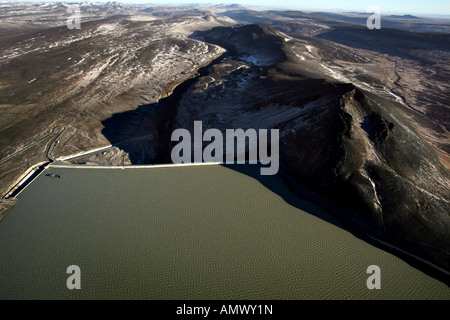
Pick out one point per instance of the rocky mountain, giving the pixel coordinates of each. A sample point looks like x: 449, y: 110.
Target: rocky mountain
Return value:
x: 358, y: 149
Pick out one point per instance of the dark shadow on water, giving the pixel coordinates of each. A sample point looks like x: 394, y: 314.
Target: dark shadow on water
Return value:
x: 279, y: 186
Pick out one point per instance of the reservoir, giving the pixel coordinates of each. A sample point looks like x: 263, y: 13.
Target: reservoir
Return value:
x: 207, y: 232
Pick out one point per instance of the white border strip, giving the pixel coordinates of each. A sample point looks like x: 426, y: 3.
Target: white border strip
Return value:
x: 156, y: 166
x: 84, y: 153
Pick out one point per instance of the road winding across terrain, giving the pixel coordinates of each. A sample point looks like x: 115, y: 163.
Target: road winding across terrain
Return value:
x: 49, y: 149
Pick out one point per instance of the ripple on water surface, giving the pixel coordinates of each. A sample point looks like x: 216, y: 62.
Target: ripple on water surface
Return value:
x: 187, y: 233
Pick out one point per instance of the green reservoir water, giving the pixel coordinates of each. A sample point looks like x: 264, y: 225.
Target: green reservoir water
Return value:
x: 187, y: 233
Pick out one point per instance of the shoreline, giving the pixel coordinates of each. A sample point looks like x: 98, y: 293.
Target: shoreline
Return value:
x: 21, y: 182
x: 156, y: 166
x: 357, y: 228
x: 298, y: 237
x: 369, y: 234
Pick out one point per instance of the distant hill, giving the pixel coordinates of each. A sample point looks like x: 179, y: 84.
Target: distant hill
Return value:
x: 228, y: 6
x: 406, y: 16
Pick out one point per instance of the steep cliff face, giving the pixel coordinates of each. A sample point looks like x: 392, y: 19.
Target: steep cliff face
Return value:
x: 389, y: 175
x: 342, y: 145
x: 353, y: 148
